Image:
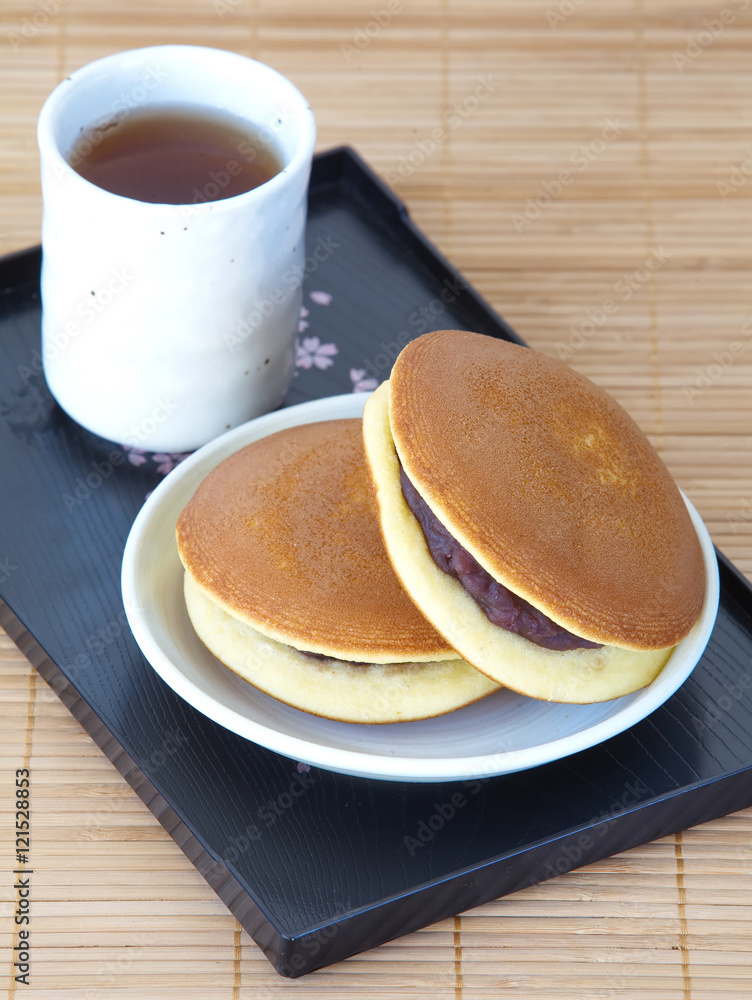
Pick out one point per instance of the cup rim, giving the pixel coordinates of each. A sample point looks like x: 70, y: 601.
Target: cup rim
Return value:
x: 50, y: 150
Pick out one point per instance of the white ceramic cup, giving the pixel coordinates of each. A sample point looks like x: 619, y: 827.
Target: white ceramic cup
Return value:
x: 165, y: 325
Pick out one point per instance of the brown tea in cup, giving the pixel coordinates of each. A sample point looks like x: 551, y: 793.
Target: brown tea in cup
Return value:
x: 175, y: 155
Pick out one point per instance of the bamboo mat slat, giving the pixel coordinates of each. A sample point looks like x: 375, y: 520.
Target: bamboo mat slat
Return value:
x: 118, y: 911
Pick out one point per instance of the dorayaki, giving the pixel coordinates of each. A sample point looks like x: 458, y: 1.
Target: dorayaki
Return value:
x: 530, y: 519
x: 287, y: 583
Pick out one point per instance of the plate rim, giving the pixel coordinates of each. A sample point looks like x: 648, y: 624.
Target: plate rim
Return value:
x: 363, y: 763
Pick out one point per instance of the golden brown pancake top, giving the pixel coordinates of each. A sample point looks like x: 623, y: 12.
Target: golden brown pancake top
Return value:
x: 284, y: 534
x: 551, y: 486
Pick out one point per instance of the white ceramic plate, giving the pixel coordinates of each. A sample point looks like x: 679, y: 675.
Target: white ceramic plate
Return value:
x: 503, y: 733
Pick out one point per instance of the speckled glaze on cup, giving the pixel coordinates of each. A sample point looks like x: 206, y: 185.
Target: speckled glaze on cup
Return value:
x: 165, y: 325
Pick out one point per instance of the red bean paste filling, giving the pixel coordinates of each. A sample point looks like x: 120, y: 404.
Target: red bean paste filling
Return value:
x: 324, y: 656
x: 501, y: 606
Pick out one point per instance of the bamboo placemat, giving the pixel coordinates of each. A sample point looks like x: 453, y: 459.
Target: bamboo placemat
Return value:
x: 591, y: 180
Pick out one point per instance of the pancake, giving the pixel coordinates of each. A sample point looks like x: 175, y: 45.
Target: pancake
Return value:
x: 554, y: 490
x: 283, y: 558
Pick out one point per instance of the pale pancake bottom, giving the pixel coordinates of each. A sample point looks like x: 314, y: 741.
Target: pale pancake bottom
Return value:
x: 374, y: 693
x: 576, y: 676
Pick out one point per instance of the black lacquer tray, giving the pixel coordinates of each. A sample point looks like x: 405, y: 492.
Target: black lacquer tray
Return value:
x: 318, y: 866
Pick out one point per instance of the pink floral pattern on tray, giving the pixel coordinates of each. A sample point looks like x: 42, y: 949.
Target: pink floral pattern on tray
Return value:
x: 164, y: 461
x: 310, y: 352
x: 360, y: 382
